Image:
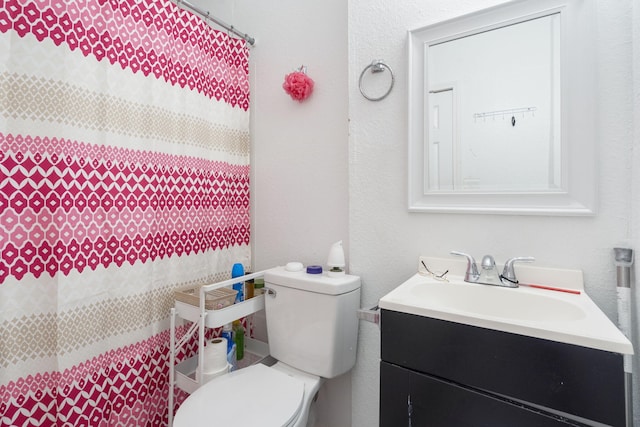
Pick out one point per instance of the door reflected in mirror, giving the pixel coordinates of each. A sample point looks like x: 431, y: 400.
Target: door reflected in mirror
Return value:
x: 494, y: 109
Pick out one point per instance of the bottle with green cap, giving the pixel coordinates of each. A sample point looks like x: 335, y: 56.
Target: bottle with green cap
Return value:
x: 258, y: 285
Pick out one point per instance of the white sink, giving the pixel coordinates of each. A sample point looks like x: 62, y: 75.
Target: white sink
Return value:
x: 553, y: 315
x: 496, y: 302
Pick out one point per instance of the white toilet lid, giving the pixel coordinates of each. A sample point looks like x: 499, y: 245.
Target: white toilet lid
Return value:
x: 253, y: 396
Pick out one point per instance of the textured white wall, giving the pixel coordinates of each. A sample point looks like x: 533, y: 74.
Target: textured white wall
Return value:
x: 386, y: 240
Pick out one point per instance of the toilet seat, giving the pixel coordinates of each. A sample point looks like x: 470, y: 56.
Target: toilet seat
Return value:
x: 253, y: 396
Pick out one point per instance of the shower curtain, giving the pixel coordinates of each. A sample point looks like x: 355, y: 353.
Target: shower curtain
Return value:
x: 124, y: 175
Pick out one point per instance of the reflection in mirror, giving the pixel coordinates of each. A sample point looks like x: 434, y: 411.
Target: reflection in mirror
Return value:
x: 494, y: 109
x: 501, y: 111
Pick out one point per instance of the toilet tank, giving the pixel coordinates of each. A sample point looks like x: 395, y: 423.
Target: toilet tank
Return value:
x: 312, y: 322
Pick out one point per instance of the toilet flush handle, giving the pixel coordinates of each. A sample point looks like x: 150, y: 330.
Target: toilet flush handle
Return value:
x: 270, y: 291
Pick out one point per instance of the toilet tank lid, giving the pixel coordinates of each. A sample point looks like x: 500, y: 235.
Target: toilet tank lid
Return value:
x: 320, y: 283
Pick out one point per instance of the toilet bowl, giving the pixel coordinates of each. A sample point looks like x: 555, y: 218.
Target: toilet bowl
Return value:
x: 276, y: 396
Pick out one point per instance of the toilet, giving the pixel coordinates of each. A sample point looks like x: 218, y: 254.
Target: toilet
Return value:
x: 312, y: 329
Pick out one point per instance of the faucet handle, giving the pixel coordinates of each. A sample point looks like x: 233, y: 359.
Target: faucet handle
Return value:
x: 472, y: 274
x: 508, y: 273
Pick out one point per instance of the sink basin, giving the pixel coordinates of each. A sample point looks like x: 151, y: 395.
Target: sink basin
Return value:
x: 557, y: 316
x: 497, y: 302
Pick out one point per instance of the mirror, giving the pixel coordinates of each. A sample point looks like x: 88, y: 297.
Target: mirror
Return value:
x: 493, y: 99
x: 501, y: 111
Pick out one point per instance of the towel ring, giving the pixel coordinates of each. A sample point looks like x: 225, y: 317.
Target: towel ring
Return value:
x: 377, y: 66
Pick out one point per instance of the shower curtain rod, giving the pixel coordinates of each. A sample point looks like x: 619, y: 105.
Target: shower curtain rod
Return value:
x: 207, y: 15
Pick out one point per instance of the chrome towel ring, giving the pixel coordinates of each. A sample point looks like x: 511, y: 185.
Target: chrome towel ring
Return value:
x: 377, y: 66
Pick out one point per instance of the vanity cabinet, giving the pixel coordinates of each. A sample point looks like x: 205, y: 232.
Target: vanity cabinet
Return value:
x: 440, y: 373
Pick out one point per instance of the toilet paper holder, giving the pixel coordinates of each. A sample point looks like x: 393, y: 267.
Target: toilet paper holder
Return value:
x: 370, y: 314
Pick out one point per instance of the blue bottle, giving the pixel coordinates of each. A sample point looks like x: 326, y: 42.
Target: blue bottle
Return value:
x: 227, y: 332
x: 238, y: 271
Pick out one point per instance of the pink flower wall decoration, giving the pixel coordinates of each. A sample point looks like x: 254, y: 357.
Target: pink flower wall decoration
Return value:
x: 298, y: 85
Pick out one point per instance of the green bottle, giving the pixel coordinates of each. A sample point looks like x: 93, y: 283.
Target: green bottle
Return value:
x: 238, y: 338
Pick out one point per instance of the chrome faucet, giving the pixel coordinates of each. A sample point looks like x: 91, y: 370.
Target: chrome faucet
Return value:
x: 489, y: 273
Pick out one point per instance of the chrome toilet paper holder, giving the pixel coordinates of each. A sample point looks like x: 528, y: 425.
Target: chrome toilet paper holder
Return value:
x: 370, y: 314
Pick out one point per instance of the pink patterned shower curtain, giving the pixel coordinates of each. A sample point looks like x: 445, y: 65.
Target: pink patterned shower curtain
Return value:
x: 124, y: 175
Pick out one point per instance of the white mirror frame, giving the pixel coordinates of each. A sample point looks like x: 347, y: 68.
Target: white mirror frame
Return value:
x: 578, y: 113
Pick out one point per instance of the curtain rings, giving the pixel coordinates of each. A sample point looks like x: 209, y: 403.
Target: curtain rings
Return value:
x: 377, y: 66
